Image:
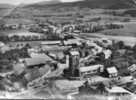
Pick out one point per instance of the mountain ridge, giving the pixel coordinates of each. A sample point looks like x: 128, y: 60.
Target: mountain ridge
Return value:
x: 104, y: 4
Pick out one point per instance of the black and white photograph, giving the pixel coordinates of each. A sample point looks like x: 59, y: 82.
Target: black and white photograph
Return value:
x: 68, y: 49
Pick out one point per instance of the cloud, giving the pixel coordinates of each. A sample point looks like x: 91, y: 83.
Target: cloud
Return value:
x: 30, y: 1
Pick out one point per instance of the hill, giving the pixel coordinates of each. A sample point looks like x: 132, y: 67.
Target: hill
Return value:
x: 101, y: 4
x: 6, y: 6
x: 60, y: 11
x: 43, y: 9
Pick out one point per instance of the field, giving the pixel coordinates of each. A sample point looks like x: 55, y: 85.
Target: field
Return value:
x: 128, y: 30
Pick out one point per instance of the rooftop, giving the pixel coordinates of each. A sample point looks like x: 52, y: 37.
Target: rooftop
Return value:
x: 37, y: 60
x: 74, y: 53
x: 90, y: 68
x: 112, y: 70
x: 1, y: 44
x: 50, y: 42
x: 66, y: 84
x: 117, y: 89
x: 72, y: 41
x: 98, y: 79
x: 24, y: 33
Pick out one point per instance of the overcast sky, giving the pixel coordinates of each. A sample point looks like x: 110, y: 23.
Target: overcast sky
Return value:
x: 29, y: 1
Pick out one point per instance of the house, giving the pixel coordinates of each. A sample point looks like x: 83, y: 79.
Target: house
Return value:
x: 125, y: 80
x: 39, y: 55
x: 50, y: 43
x: 95, y: 48
x: 74, y: 53
x: 12, y: 26
x: 32, y: 50
x: 65, y: 65
x: 132, y: 68
x: 1, y: 44
x: 36, y: 73
x: 68, y: 86
x: 54, y: 48
x: 107, y: 53
x: 72, y: 41
x: 35, y: 61
x: 118, y: 91
x: 60, y: 55
x: 97, y: 80
x: 112, y: 72
x: 91, y: 70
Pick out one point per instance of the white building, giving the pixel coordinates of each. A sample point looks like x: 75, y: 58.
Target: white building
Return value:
x: 72, y: 41
x: 37, y: 60
x: 112, y: 72
x: 2, y: 44
x: 107, y: 53
x: 91, y: 70
x: 66, y: 65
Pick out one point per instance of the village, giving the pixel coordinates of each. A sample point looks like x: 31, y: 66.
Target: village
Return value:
x: 59, y: 60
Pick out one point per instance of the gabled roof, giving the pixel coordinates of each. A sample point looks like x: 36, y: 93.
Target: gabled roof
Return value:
x: 37, y: 60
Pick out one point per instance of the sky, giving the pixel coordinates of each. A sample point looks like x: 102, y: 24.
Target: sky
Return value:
x: 16, y: 2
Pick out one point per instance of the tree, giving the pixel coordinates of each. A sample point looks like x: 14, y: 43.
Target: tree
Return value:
x: 120, y: 45
x: 28, y: 46
x: 101, y: 88
x: 134, y: 48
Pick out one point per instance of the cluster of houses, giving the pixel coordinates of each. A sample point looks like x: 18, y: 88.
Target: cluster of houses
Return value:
x: 71, y: 59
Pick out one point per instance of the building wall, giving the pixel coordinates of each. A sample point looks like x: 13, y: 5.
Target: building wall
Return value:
x: 73, y: 64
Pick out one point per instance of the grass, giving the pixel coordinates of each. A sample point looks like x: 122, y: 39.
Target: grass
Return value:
x: 128, y: 30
